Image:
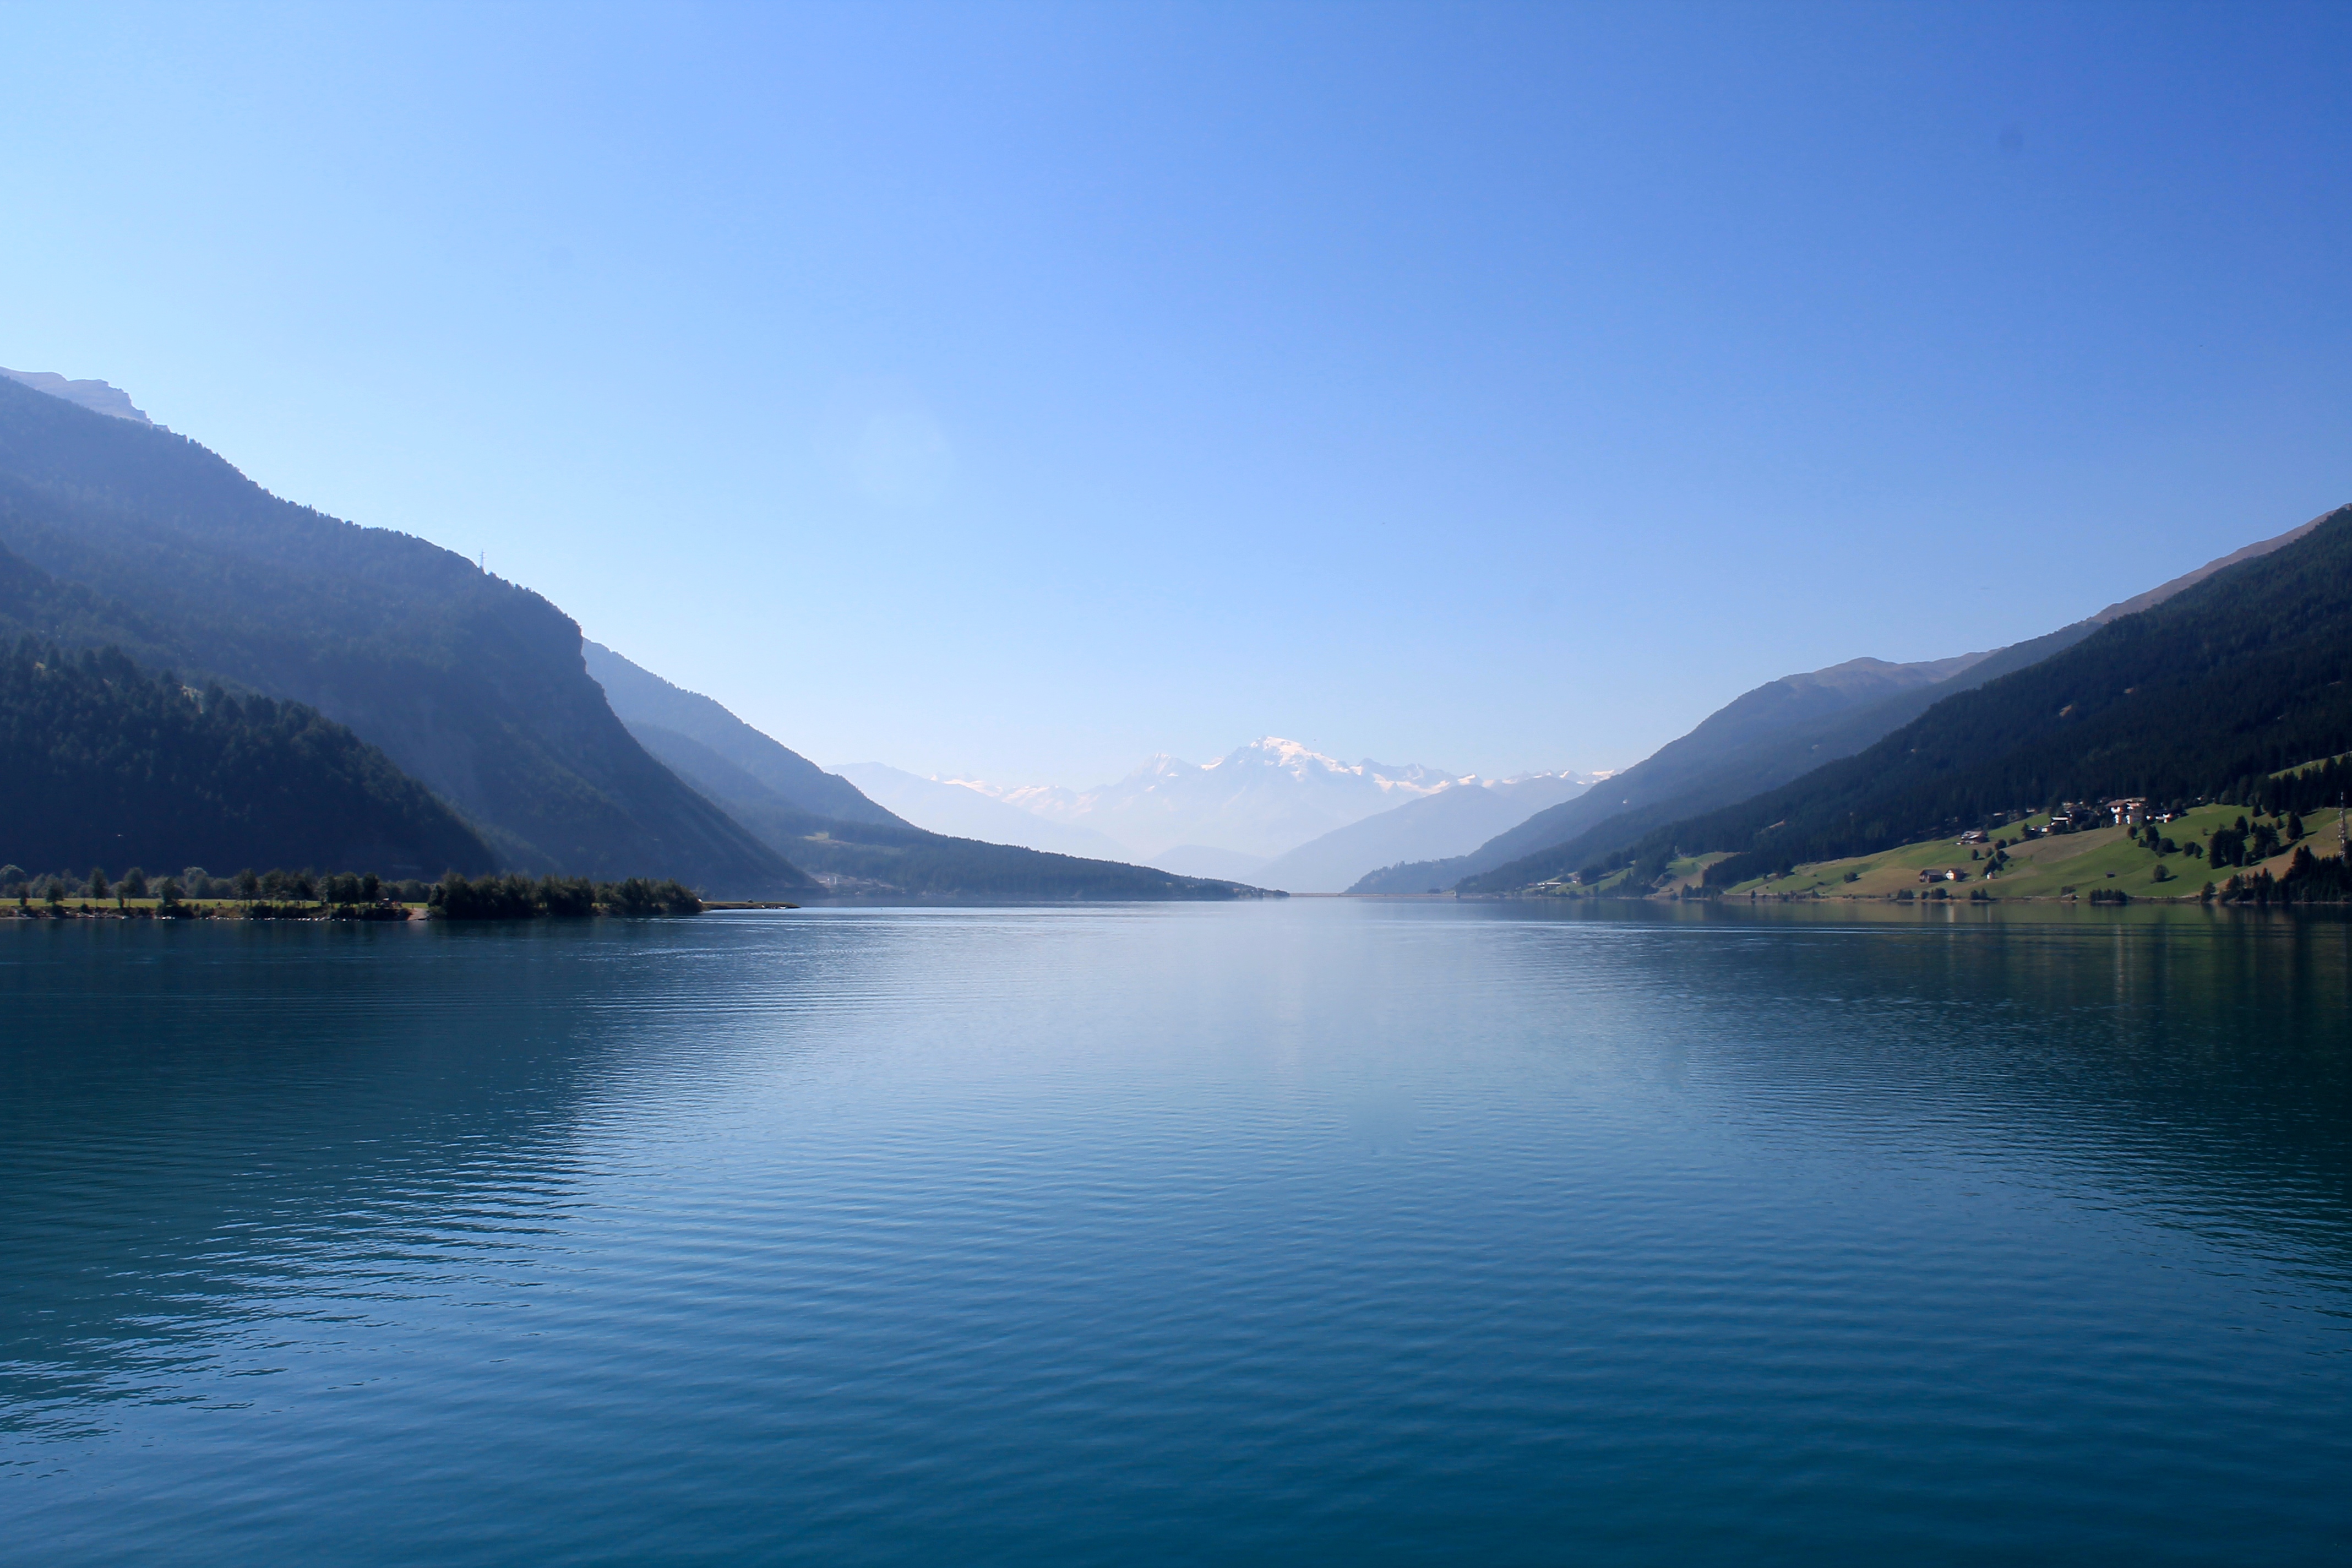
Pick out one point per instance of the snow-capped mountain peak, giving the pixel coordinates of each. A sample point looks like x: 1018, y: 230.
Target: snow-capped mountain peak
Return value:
x: 1261, y: 799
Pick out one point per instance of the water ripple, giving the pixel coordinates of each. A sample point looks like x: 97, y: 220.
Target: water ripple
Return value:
x: 1329, y: 1230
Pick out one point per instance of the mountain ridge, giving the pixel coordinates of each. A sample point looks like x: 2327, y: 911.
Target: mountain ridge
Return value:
x: 2240, y: 674
x: 1264, y: 798
x: 639, y: 696
x: 1667, y: 786
x: 768, y: 788
x: 1446, y: 822
x: 474, y: 686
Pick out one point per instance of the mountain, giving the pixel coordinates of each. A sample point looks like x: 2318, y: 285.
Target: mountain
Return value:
x: 898, y: 859
x: 1792, y: 754
x: 109, y: 766
x: 1453, y: 821
x: 2163, y: 591
x: 641, y: 698
x: 95, y: 396
x: 1781, y: 731
x: 2245, y: 673
x: 1265, y: 798
x: 961, y: 811
x: 471, y: 684
x: 765, y: 786
x: 1765, y: 736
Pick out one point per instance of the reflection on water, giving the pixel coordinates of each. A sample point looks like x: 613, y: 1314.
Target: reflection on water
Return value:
x: 1329, y: 1230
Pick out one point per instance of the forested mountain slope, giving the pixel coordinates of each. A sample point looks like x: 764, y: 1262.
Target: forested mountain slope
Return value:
x: 1780, y: 729
x: 1768, y: 758
x: 2246, y: 672
x: 472, y: 685
x: 101, y: 764
x: 1778, y: 732
x: 642, y: 698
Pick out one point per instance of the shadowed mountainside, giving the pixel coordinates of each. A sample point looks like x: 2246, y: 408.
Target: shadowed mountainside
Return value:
x: 1780, y: 729
x: 470, y: 684
x: 107, y: 766
x: 1780, y: 732
x: 2246, y: 671
x: 643, y: 698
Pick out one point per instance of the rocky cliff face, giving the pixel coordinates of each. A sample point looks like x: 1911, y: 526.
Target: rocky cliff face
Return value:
x: 95, y: 396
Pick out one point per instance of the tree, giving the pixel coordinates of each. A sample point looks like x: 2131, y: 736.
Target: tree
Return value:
x: 99, y: 887
x: 134, y: 883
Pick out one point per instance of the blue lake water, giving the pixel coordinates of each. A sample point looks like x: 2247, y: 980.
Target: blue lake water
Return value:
x: 1317, y: 1231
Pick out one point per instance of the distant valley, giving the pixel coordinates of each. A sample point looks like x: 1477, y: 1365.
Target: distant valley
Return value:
x: 199, y: 669
x: 1272, y: 812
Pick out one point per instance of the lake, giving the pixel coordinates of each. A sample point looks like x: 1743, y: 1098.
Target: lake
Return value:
x: 1322, y: 1231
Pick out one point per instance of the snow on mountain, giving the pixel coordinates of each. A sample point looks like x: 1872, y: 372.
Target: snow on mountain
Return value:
x: 1261, y: 799
x: 961, y: 811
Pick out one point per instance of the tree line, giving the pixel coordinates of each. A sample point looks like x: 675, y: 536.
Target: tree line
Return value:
x: 353, y: 895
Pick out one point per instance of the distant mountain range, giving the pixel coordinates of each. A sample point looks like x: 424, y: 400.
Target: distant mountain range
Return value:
x: 1263, y: 799
x: 962, y: 810
x: 1450, y: 821
x: 1272, y: 812
x: 823, y: 822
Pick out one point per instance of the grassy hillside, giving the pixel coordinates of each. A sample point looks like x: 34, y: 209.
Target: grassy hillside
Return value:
x: 472, y: 685
x: 2108, y: 859
x: 2203, y: 697
x: 2202, y: 849
x: 107, y: 765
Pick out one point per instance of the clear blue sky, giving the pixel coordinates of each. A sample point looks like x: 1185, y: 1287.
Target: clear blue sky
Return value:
x: 1021, y: 390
